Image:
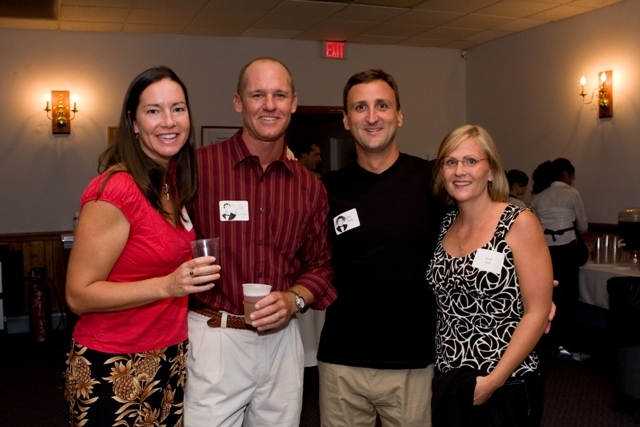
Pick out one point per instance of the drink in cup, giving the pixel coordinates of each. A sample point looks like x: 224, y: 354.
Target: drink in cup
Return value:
x: 253, y: 292
x: 206, y: 247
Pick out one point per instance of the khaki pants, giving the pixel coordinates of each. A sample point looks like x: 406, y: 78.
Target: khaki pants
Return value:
x: 351, y: 397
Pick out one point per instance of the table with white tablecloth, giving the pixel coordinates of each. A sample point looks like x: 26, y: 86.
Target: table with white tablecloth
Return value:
x: 593, y: 282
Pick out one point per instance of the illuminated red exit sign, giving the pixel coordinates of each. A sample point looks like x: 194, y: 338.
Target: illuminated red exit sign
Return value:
x: 333, y: 50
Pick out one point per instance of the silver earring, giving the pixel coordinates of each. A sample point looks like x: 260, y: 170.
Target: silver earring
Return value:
x: 137, y: 135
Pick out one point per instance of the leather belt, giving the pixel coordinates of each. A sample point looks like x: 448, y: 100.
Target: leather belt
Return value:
x: 215, y: 319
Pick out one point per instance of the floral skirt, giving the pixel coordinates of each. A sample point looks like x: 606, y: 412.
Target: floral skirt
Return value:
x: 129, y: 390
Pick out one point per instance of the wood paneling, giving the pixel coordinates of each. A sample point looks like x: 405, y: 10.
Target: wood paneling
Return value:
x: 41, y: 250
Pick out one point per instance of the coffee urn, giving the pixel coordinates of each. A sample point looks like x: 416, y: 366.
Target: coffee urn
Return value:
x: 629, y: 226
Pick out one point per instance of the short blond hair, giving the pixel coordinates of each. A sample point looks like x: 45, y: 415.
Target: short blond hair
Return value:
x: 498, y: 188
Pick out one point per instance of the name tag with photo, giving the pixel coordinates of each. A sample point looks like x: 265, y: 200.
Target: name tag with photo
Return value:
x: 234, y: 210
x: 346, y: 221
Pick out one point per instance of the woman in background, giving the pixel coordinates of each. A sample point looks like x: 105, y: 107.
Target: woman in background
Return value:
x: 518, y: 182
x: 491, y: 275
x: 560, y: 210
x: 131, y: 268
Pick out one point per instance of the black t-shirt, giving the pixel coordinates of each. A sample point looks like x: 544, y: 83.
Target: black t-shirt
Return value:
x: 384, y: 316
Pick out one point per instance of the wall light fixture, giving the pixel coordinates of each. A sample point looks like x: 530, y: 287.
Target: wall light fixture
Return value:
x: 605, y: 94
x: 61, y: 117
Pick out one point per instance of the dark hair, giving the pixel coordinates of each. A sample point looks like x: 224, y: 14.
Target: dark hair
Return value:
x: 515, y: 176
x: 302, y: 147
x: 548, y: 172
x: 242, y: 78
x: 126, y: 150
x: 369, y: 76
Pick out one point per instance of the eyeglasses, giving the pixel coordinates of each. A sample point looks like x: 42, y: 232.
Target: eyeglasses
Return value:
x: 467, y: 162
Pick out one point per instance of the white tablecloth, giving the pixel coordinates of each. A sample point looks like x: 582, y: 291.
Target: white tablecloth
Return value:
x: 593, y: 282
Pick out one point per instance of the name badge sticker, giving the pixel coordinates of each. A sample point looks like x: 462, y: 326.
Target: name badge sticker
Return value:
x: 490, y: 261
x: 234, y: 210
x: 346, y: 221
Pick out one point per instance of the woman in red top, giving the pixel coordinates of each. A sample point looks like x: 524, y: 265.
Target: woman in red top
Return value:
x: 131, y: 268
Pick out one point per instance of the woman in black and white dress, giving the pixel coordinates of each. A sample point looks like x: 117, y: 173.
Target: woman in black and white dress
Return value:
x: 492, y: 277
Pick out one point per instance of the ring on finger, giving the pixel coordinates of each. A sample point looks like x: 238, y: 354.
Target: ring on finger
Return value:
x: 191, y: 273
x: 277, y: 316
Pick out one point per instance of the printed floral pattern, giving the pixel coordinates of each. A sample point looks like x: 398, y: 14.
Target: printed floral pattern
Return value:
x: 142, y: 385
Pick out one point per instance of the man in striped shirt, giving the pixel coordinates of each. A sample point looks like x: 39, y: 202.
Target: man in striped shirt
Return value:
x: 253, y: 373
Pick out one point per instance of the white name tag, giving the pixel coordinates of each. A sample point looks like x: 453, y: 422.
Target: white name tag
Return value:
x: 234, y: 210
x: 346, y: 221
x: 186, y: 221
x: 490, y: 261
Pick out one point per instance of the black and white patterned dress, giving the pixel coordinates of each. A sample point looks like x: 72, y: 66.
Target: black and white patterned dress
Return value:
x: 477, y: 310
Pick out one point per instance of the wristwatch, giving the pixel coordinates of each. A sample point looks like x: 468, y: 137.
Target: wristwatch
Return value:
x: 302, y: 305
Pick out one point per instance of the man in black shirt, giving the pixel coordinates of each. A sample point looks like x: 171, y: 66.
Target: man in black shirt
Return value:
x: 377, y: 346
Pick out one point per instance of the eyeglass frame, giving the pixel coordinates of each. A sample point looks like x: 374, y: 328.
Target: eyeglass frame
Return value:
x: 465, y: 164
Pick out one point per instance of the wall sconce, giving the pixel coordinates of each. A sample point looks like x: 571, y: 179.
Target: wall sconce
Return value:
x: 61, y: 117
x: 605, y: 94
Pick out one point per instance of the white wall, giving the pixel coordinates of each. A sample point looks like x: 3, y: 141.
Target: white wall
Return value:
x: 42, y: 176
x: 524, y: 90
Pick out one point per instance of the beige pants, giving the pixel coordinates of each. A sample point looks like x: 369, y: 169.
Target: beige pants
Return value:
x: 243, y: 378
x: 350, y: 397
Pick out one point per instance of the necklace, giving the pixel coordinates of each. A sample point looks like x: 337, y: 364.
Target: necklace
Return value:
x: 474, y: 230
x: 165, y: 190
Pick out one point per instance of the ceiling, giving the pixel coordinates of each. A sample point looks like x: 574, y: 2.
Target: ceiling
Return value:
x: 457, y: 24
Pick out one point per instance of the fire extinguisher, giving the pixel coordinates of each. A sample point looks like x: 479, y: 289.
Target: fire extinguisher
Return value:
x: 39, y: 306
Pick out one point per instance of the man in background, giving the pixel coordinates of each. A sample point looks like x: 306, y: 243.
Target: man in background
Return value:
x: 308, y: 154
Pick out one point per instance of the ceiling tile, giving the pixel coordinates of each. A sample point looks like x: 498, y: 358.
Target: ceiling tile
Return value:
x: 301, y: 8
x: 593, y: 3
x: 447, y: 33
x: 482, y: 22
x: 335, y: 30
x: 269, y: 34
x: 391, y: 3
x: 93, y: 14
x: 515, y: 8
x: 213, y: 31
x: 99, y: 3
x: 396, y: 30
x: 372, y: 39
x: 459, y: 6
x: 169, y: 4
x: 90, y: 26
x: 240, y: 6
x: 520, y: 25
x: 271, y: 22
x: 425, y: 17
x: 560, y: 12
x: 227, y: 20
x: 486, y: 36
x: 421, y: 42
x: 34, y: 24
x: 168, y: 17
x: 368, y: 13
x: 152, y: 28
x: 461, y: 44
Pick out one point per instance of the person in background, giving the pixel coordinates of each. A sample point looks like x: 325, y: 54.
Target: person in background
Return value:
x: 308, y: 154
x: 492, y: 278
x: 518, y: 182
x: 131, y: 267
x: 252, y: 374
x: 376, y: 349
x: 560, y: 209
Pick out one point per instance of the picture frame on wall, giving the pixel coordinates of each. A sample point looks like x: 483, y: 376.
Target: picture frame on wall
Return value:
x: 216, y: 134
x: 111, y: 134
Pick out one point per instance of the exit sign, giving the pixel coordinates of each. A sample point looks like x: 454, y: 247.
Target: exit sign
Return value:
x: 333, y: 50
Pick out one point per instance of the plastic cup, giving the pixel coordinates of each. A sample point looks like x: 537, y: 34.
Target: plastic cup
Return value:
x: 253, y: 292
x: 206, y: 247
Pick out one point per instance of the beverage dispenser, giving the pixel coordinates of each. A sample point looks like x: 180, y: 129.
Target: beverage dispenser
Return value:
x: 629, y: 227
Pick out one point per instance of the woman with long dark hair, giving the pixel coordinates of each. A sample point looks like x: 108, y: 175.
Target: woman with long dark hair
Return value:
x: 131, y: 270
x: 560, y: 209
